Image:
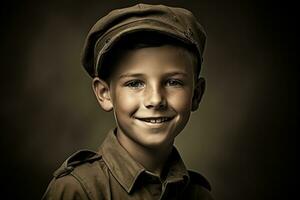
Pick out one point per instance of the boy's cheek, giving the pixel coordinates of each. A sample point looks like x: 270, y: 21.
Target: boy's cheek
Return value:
x: 125, y: 103
x: 121, y: 96
x: 181, y: 102
x: 126, y: 100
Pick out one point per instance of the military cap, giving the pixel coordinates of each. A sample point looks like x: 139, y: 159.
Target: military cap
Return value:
x: 174, y: 22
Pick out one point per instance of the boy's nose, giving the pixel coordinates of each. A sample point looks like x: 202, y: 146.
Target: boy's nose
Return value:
x: 154, y: 98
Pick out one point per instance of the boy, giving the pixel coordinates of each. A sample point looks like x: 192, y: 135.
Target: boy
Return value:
x: 145, y: 61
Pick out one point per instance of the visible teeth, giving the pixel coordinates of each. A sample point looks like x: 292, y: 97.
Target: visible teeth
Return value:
x: 157, y: 120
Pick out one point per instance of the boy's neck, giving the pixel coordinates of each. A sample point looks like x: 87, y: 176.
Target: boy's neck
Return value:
x: 152, y: 159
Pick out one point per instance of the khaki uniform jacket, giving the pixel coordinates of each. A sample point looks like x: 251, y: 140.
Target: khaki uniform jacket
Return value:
x: 111, y: 173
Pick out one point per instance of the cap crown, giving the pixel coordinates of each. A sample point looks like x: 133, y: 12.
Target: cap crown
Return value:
x: 175, y: 22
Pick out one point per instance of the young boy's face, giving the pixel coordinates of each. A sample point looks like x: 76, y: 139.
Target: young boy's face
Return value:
x: 152, y: 93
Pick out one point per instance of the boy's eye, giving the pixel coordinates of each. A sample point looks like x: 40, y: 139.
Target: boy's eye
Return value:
x: 174, y: 82
x: 135, y: 84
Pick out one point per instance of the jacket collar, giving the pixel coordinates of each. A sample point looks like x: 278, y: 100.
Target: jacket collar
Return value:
x: 126, y: 170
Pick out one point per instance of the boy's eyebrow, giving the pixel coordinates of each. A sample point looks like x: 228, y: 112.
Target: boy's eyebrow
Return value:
x: 176, y: 73
x: 130, y: 75
x: 140, y: 74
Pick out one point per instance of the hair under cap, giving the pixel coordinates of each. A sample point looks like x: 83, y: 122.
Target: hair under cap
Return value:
x: 177, y: 23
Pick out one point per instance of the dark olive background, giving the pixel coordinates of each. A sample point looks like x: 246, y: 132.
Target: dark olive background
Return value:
x: 242, y: 138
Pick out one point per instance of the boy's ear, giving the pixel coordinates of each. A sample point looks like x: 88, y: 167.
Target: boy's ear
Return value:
x: 102, y: 92
x: 198, y: 93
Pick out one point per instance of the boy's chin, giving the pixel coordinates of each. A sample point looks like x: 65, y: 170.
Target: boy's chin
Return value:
x: 156, y: 142
x: 151, y: 138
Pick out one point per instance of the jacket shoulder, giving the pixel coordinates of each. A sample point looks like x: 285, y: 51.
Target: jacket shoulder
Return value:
x: 66, y: 188
x: 81, y: 176
x: 76, y: 159
x: 199, y: 179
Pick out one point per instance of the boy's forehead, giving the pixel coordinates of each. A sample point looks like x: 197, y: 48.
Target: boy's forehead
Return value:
x: 159, y: 54
x: 173, y: 22
x: 166, y: 59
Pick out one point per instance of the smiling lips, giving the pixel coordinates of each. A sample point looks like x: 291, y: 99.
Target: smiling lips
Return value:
x: 155, y: 120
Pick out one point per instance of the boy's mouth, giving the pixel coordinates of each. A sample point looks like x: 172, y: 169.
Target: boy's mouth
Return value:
x: 155, y: 120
